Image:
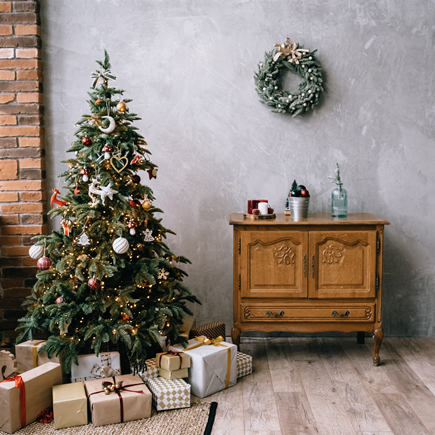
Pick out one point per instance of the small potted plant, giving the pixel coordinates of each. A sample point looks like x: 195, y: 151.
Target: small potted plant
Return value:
x: 298, y: 200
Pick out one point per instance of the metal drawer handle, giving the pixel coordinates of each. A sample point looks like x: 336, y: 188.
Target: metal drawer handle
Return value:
x: 270, y: 314
x: 345, y: 314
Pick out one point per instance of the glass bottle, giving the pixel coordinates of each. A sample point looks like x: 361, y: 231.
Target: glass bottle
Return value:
x: 339, y: 202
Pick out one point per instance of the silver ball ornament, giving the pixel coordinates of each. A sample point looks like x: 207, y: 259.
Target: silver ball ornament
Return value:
x: 120, y: 245
x: 36, y: 252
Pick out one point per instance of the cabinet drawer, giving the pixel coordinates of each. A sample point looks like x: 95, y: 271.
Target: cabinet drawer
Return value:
x: 296, y: 313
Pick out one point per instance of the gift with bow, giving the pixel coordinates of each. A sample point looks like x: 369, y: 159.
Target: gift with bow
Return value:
x: 90, y: 366
x: 213, y: 364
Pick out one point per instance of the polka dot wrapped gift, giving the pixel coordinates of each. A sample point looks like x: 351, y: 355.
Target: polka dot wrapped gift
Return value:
x: 169, y: 394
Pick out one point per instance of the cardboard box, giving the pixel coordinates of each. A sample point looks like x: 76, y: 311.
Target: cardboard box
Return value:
x: 151, y: 372
x: 170, y: 394
x: 244, y: 364
x: 171, y: 362
x: 174, y: 374
x: 37, y: 384
x: 70, y: 405
x: 109, y: 408
x: 213, y: 367
x: 28, y: 357
x: 96, y: 367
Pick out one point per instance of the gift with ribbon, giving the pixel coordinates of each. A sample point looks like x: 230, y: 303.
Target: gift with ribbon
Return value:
x: 118, y: 399
x: 29, y: 356
x: 89, y: 367
x: 172, y: 360
x: 213, y: 364
x: 151, y: 372
x: 23, y: 397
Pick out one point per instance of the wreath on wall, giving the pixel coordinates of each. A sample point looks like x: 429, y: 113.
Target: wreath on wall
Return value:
x: 269, y: 79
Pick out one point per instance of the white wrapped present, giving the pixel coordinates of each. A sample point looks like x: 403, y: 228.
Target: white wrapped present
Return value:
x: 90, y: 367
x: 151, y: 372
x: 213, y: 365
x: 168, y: 394
x: 244, y: 364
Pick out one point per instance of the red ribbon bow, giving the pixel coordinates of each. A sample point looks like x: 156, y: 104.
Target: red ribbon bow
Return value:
x: 173, y: 353
x: 19, y: 383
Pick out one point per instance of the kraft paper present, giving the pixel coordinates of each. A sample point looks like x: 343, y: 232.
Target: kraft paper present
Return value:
x: 244, y: 364
x: 28, y: 357
x: 16, y: 410
x: 213, y: 366
x: 174, y: 374
x: 151, y: 372
x: 169, y: 394
x: 70, y: 405
x: 170, y: 362
x: 108, y: 409
x: 95, y: 367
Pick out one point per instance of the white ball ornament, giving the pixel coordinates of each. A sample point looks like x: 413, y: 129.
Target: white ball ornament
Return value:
x: 36, y: 252
x: 120, y: 245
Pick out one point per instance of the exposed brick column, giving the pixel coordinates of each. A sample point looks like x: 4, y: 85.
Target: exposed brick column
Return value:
x: 23, y: 193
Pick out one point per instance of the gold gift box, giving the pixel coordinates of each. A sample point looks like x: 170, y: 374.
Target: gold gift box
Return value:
x: 170, y: 375
x: 170, y: 362
x: 70, y: 405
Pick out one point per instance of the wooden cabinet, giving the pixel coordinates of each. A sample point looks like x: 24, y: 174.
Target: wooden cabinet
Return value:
x: 310, y: 275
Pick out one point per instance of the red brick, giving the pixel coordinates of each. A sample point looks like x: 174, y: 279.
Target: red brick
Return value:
x: 13, y: 153
x: 19, y: 131
x: 22, y: 208
x: 20, y: 41
x: 32, y: 219
x: 10, y: 241
x: 19, y: 272
x: 13, y: 282
x: 8, y: 142
x: 27, y: 30
x: 20, y: 64
x: 15, y: 251
x: 27, y: 53
x: 10, y: 262
x: 30, y: 97
x: 31, y: 196
x: 34, y: 229
x: 9, y: 220
x: 20, y: 86
x: 7, y: 98
x: 32, y: 174
x: 27, y: 261
x: 30, y: 120
x: 17, y: 292
x: 7, y: 53
x: 5, y: 30
x: 11, y: 304
x: 8, y: 197
x: 7, y: 75
x: 8, y: 169
x: 22, y: 185
x: 17, y: 109
x: 32, y: 163
x: 19, y: 18
x: 26, y: 6
x: 30, y: 142
x: 8, y: 120
x: 5, y: 7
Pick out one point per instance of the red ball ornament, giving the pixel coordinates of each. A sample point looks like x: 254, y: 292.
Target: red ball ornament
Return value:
x: 86, y: 141
x: 59, y: 300
x: 94, y: 284
x: 44, y: 263
x: 305, y: 193
x: 135, y: 179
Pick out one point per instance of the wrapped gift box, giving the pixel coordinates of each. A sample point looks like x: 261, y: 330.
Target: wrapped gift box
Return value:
x: 131, y: 402
x: 70, y: 405
x: 151, y: 372
x: 188, y: 323
x: 173, y: 361
x: 210, y: 330
x: 28, y: 357
x: 18, y: 410
x: 213, y: 367
x: 244, y: 364
x: 169, y: 394
x: 174, y: 374
x: 95, y: 367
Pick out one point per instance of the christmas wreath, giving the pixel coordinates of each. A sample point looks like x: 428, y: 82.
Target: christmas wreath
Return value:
x: 269, y: 83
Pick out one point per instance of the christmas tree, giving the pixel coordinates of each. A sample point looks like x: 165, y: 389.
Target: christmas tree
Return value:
x: 106, y: 275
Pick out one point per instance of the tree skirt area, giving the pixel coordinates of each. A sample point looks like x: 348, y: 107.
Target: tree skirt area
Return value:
x: 196, y: 420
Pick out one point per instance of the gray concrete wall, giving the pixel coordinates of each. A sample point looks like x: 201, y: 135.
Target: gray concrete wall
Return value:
x: 189, y: 65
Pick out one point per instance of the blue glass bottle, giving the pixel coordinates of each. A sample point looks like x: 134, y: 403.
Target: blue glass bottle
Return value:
x: 339, y: 202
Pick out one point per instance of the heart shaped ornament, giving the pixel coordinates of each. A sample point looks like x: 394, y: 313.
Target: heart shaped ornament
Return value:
x: 118, y: 163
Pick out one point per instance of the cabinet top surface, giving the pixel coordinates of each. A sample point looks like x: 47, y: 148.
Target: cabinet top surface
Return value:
x: 312, y: 219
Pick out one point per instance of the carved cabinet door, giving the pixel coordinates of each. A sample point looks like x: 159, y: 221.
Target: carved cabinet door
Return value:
x: 274, y: 264
x: 342, y: 264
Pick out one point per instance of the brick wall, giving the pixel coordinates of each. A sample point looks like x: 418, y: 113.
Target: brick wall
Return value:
x: 23, y: 193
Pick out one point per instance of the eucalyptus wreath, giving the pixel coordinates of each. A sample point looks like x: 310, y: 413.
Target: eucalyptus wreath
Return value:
x: 269, y: 79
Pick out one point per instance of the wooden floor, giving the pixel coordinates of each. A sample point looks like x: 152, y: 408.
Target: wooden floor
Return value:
x: 329, y: 386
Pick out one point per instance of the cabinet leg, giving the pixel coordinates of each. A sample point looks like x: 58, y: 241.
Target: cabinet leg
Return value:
x: 235, y: 335
x: 379, y: 335
x: 360, y: 337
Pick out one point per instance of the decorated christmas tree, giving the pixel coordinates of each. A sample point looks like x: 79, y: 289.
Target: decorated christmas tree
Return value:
x: 107, y: 274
